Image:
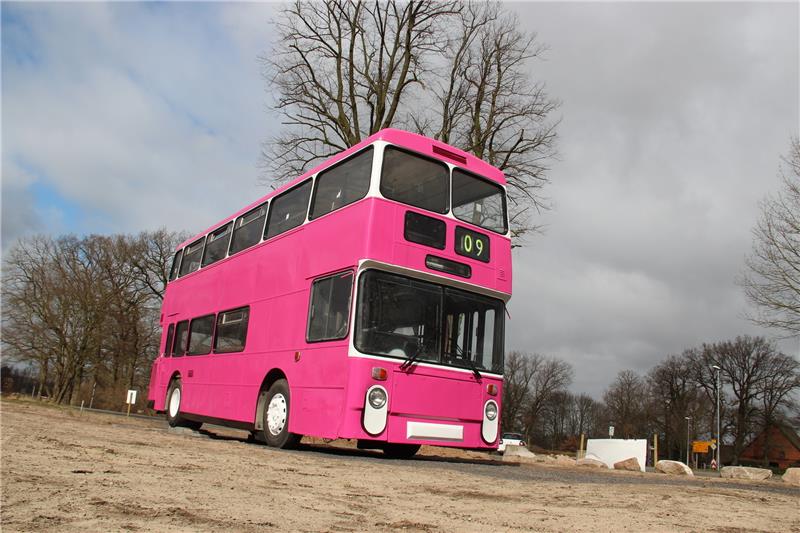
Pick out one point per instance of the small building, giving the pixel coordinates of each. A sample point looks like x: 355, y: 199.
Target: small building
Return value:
x: 779, y: 443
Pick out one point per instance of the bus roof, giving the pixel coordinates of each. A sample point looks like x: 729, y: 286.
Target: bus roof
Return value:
x: 413, y: 141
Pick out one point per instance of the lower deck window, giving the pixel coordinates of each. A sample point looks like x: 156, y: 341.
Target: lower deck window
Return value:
x: 168, y: 343
x: 231, y: 330
x: 200, y: 333
x: 181, y: 338
x: 329, y: 308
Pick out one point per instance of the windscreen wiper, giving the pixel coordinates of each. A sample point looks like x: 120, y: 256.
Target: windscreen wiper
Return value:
x: 474, y: 368
x: 469, y: 362
x: 411, y: 358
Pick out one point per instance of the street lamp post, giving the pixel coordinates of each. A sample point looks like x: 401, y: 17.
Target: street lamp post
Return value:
x: 719, y: 439
x: 688, y: 444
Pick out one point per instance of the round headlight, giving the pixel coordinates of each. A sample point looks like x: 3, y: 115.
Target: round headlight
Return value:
x: 377, y: 398
x: 491, y: 410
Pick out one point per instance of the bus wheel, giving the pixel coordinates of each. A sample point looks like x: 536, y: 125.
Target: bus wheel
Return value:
x: 173, y: 407
x: 400, y: 451
x: 276, y: 417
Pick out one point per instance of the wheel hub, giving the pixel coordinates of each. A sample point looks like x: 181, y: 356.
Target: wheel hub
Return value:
x: 174, y: 402
x: 276, y: 414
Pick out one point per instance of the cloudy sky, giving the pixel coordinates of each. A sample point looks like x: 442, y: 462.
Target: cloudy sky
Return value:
x: 117, y: 118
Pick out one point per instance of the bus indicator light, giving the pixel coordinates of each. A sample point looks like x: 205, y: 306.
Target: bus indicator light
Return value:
x: 492, y: 389
x: 296, y: 357
x: 379, y: 373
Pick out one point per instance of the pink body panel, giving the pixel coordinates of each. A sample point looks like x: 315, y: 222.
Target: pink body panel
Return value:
x: 327, y: 386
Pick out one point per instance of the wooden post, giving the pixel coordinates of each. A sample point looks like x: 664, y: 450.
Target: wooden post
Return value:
x: 655, y: 449
x: 581, y: 453
x: 129, y: 410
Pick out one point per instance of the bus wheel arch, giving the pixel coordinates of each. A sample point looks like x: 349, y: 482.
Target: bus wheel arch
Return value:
x: 272, y: 376
x: 172, y: 405
x: 272, y: 412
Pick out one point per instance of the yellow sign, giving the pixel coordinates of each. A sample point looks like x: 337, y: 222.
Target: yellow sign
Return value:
x: 701, y: 446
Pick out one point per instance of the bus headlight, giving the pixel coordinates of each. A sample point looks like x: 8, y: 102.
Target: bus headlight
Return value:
x: 490, y: 410
x: 490, y: 425
x: 377, y: 398
x: 376, y: 410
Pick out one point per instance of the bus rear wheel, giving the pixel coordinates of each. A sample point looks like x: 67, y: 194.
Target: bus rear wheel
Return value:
x: 400, y: 451
x: 276, y: 417
x: 173, y: 407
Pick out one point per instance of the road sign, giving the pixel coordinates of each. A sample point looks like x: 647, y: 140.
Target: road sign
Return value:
x: 701, y: 446
x: 130, y: 400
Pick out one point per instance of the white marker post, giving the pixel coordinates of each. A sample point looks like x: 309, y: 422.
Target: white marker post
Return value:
x: 130, y: 400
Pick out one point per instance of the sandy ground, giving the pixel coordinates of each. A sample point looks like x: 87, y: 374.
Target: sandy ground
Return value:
x: 65, y: 471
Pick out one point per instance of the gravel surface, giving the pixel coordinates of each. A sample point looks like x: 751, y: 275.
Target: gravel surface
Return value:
x: 66, y: 471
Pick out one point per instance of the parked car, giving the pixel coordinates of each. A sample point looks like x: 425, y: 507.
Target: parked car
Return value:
x: 515, y: 439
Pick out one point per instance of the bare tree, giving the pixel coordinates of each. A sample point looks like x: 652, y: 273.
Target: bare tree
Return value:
x: 517, y: 378
x: 84, y: 312
x: 674, y: 395
x: 151, y: 257
x: 772, y: 277
x: 748, y: 368
x: 626, y: 403
x: 459, y: 71
x: 530, y: 381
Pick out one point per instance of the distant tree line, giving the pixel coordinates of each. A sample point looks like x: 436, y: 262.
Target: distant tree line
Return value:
x: 758, y: 384
x: 80, y: 315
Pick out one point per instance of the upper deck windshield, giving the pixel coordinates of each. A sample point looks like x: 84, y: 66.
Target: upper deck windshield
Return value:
x: 423, y: 182
x: 403, y: 317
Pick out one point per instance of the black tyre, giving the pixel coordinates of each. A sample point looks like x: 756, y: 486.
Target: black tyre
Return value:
x: 276, y: 417
x: 173, y: 407
x: 400, y: 451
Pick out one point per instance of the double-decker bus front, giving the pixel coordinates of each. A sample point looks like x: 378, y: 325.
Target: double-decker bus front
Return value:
x: 426, y: 349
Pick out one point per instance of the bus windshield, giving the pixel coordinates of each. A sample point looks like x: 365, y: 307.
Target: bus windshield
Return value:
x: 403, y: 317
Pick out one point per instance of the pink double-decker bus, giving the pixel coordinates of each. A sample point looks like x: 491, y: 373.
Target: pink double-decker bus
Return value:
x: 364, y: 300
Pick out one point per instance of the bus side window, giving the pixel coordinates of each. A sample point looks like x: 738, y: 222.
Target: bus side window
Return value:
x: 217, y: 244
x: 288, y: 210
x: 247, y: 229
x: 176, y: 263
x: 344, y: 183
x: 181, y: 338
x: 191, y: 256
x: 168, y: 343
x: 231, y: 330
x: 329, y: 308
x: 200, y: 332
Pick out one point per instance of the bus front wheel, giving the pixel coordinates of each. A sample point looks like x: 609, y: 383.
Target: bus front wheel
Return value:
x: 276, y: 417
x: 173, y: 407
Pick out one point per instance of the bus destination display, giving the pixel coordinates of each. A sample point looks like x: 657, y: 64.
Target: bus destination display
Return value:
x: 472, y: 244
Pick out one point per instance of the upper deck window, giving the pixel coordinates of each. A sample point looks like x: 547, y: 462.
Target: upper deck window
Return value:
x: 288, y: 210
x: 342, y: 184
x: 176, y: 263
x: 247, y: 229
x: 415, y: 180
x: 217, y: 244
x: 479, y: 202
x: 191, y: 256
